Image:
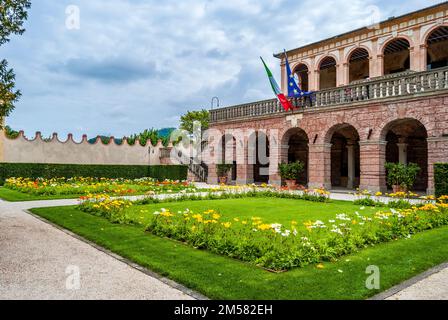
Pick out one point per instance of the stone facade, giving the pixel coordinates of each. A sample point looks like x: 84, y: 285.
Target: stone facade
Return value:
x: 371, y: 122
x: 381, y: 96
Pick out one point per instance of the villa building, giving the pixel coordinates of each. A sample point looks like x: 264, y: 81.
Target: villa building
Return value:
x: 381, y: 95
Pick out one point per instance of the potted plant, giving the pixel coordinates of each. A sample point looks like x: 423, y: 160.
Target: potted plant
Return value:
x: 223, y: 172
x: 290, y: 173
x: 400, y: 176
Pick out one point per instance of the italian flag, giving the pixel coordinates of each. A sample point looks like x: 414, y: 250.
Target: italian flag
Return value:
x: 281, y: 97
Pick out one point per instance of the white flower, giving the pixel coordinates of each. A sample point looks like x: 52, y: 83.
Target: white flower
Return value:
x: 156, y: 213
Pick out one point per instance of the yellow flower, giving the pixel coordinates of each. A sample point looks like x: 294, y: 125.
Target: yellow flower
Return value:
x: 320, y: 266
x: 226, y: 224
x: 264, y: 227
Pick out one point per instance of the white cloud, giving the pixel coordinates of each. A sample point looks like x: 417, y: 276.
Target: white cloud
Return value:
x: 182, y: 54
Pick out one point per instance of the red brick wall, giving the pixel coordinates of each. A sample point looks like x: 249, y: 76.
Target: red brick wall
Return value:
x: 372, y: 123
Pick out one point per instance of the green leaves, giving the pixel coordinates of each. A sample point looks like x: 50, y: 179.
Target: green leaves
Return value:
x: 187, y: 120
x: 12, y: 15
x: 8, y: 95
x: 291, y: 171
x: 401, y: 174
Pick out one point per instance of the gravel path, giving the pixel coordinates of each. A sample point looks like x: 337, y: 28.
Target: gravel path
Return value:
x: 434, y: 287
x: 37, y: 261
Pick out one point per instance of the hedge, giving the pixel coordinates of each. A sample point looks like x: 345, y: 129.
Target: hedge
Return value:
x: 36, y: 170
x: 441, y: 179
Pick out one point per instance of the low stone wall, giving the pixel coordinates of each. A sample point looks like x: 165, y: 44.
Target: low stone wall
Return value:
x: 38, y: 150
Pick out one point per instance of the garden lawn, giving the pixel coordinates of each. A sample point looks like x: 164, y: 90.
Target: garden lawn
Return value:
x: 219, y: 277
x: 15, y: 196
x: 270, y: 210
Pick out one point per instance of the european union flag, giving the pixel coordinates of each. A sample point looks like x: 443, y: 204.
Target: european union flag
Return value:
x: 294, y: 90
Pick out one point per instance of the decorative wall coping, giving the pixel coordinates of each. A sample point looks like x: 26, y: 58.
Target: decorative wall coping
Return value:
x: 55, y: 139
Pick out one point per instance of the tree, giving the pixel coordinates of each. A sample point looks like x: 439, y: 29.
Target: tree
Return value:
x: 186, y: 121
x: 8, y: 95
x: 13, y: 13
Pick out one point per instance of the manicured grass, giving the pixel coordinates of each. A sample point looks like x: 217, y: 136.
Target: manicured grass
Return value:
x: 219, y: 277
x: 15, y: 196
x: 271, y: 210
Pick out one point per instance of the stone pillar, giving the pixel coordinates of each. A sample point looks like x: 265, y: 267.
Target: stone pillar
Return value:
x: 284, y: 76
x: 351, y: 165
x: 320, y: 165
x: 402, y: 153
x: 245, y: 158
x: 316, y: 81
x: 278, y: 154
x: 423, y: 57
x: 345, y: 77
x: 379, y: 70
x: 437, y: 153
x: 373, y: 159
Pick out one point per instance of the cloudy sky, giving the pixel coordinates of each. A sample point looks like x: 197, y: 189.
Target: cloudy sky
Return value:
x: 136, y: 64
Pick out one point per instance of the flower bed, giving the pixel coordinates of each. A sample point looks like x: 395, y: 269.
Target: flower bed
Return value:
x: 281, y: 247
x: 83, y: 185
x: 277, y: 246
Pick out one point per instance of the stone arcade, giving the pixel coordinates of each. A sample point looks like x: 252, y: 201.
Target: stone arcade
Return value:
x: 381, y: 96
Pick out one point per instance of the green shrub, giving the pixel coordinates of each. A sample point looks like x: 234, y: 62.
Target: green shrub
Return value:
x: 43, y: 170
x: 291, y: 171
x: 402, y: 175
x: 223, y: 169
x: 441, y: 179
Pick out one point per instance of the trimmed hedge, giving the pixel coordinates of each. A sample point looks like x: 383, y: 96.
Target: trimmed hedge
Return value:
x: 44, y: 170
x: 441, y: 179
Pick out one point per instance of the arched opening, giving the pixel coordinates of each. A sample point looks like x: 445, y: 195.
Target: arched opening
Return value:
x: 359, y: 67
x: 327, y: 73
x: 438, y: 48
x: 301, y: 75
x: 345, y: 157
x: 228, y: 154
x: 406, y: 143
x: 397, y: 56
x: 296, y: 141
x: 260, y: 156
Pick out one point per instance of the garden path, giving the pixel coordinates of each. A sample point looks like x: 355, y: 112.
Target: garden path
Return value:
x: 37, y: 261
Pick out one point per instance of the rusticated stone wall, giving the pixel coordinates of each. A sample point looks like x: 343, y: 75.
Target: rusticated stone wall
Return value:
x: 372, y: 122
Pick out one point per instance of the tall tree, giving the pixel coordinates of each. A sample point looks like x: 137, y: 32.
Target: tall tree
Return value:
x: 13, y: 14
x: 187, y: 120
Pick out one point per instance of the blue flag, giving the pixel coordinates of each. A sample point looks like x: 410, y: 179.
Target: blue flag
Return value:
x: 294, y: 90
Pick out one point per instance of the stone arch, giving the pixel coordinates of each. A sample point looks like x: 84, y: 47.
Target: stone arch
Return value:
x: 436, y: 44
x: 396, y: 55
x: 358, y: 61
x: 227, y: 153
x: 345, y: 159
x: 350, y: 52
x: 295, y: 147
x: 258, y: 156
x: 301, y: 71
x: 407, y: 142
x: 327, y: 67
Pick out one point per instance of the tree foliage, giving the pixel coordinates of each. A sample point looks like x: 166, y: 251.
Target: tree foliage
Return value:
x: 8, y: 94
x: 187, y: 120
x: 13, y: 14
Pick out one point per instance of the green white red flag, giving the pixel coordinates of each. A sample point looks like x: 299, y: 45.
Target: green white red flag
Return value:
x: 281, y: 97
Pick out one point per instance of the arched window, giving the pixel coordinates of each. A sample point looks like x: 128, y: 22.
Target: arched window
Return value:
x: 327, y: 72
x: 437, y: 43
x: 396, y: 56
x: 301, y: 75
x: 359, y: 68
